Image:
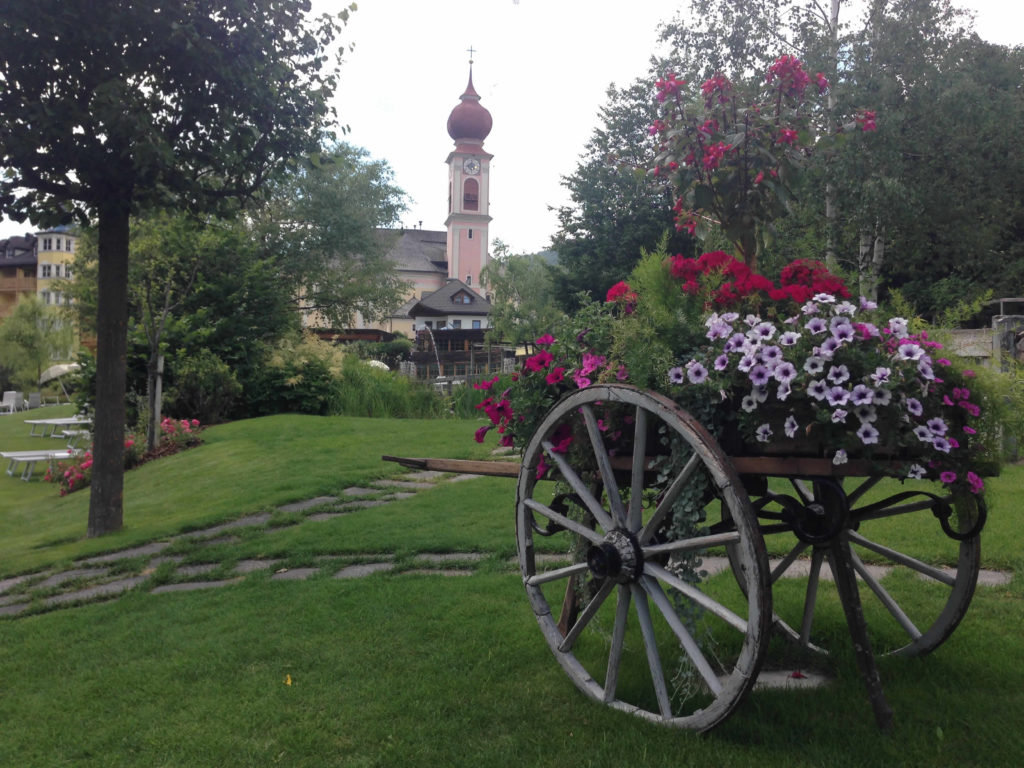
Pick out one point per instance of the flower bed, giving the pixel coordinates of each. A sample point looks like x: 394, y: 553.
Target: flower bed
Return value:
x: 793, y: 366
x: 175, y: 436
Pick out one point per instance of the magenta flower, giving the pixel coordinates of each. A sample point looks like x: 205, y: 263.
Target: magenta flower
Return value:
x: 947, y: 477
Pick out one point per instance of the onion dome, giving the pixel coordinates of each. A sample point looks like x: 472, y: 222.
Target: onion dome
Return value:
x: 469, y: 120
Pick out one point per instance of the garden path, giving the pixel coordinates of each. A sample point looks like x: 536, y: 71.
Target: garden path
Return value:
x: 151, y: 568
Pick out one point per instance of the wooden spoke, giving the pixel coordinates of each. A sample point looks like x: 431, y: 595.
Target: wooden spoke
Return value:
x: 576, y: 483
x: 667, y: 501
x: 869, y: 482
x: 911, y: 562
x: 611, y: 677
x: 564, y: 521
x: 885, y: 597
x: 559, y: 573
x: 588, y: 613
x: 643, y: 612
x: 694, y: 594
x: 604, y: 466
x: 811, y: 596
x: 636, y: 486
x: 682, y: 634
x: 688, y: 545
x: 788, y: 560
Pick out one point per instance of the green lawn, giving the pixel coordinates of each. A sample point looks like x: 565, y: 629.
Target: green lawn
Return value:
x: 404, y: 670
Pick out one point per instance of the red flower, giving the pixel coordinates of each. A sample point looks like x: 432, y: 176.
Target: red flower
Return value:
x: 556, y: 375
x: 621, y: 292
x: 539, y: 362
x: 866, y: 120
x: 822, y: 82
x: 787, y: 136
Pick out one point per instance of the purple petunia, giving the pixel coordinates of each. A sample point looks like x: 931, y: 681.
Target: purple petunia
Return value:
x: 914, y: 406
x: 789, y: 338
x: 764, y: 433
x: 837, y: 396
x: 865, y: 413
x: 817, y: 389
x: 816, y: 325
x: 839, y: 415
x: 814, y: 365
x: 867, y: 434
x: 840, y: 457
x: 880, y: 375
x: 923, y: 434
x: 676, y: 375
x: 837, y: 374
x: 696, y: 373
x: 785, y: 372
x: 916, y: 471
x: 937, y: 426
x: 862, y: 394
x: 882, y: 396
x: 790, y: 427
x: 721, y: 362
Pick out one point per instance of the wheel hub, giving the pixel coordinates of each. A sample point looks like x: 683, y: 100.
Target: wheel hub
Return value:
x: 618, y: 557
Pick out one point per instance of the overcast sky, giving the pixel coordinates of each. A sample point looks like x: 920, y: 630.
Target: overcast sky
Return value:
x: 541, y: 68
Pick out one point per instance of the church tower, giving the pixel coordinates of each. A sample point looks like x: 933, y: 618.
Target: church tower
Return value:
x: 468, y: 188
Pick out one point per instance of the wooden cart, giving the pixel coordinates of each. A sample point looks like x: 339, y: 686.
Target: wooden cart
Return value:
x: 642, y: 620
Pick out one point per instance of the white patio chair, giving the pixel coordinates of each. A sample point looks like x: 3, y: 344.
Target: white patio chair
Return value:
x: 9, y: 401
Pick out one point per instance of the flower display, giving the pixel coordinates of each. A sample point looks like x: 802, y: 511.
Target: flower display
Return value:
x: 792, y: 366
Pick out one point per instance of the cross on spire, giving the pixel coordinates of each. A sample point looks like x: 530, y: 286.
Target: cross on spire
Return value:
x: 471, y: 50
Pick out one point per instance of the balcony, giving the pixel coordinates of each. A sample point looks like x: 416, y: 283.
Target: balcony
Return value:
x: 19, y: 284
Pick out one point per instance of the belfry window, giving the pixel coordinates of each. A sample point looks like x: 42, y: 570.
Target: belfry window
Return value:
x: 471, y: 195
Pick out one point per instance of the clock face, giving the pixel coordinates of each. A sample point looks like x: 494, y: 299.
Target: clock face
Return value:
x: 471, y: 166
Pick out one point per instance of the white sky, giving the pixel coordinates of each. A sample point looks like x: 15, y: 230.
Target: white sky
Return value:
x: 541, y: 68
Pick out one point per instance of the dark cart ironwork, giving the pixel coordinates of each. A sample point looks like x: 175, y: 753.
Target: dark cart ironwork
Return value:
x: 643, y: 620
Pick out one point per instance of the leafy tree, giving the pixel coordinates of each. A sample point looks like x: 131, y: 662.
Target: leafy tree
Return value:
x: 321, y: 226
x: 617, y: 208
x: 523, y: 303
x: 113, y: 106
x: 32, y: 339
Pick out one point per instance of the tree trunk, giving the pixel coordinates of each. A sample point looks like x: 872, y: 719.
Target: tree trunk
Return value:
x: 154, y: 390
x: 106, y: 512
x: 831, y: 213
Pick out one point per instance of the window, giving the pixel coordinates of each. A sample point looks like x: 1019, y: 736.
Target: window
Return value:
x: 476, y: 324
x: 56, y: 270
x: 67, y: 271
x: 45, y: 295
x: 469, y: 279
x: 471, y: 195
x: 428, y: 324
x: 471, y: 234
x: 456, y: 324
x: 47, y: 244
x: 46, y: 270
x: 69, y: 245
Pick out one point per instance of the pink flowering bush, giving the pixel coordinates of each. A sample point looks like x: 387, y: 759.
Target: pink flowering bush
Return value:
x: 733, y: 158
x: 175, y: 435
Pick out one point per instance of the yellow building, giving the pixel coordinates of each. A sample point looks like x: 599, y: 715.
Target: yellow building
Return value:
x: 32, y: 265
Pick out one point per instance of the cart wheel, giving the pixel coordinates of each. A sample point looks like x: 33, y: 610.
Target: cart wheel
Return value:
x: 633, y: 618
x: 922, y: 579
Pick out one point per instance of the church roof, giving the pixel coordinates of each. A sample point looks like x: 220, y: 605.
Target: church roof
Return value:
x: 443, y: 301
x: 418, y: 250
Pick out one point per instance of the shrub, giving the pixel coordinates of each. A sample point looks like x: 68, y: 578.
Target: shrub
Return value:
x: 205, y: 387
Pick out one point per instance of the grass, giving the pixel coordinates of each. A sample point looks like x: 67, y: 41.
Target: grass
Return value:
x: 407, y: 670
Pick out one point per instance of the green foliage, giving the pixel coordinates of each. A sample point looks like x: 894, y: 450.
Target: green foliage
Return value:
x: 205, y: 388
x: 389, y: 352
x: 33, y: 338
x: 299, y: 376
x: 523, y: 303
x: 368, y: 391
x: 617, y: 208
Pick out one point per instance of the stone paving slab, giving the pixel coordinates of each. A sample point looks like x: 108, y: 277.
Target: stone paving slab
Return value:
x: 295, y: 574
x: 197, y: 569
x: 248, y: 521
x: 153, y: 548
x: 11, y: 599
x: 249, y: 566
x: 436, y: 572
x: 449, y: 557
x: 410, y: 485
x: 460, y: 478
x: 362, y: 569
x: 399, y: 496
x: 12, y: 610
x: 790, y: 679
x: 192, y: 586
x: 99, y: 590
x: 365, y: 504
x: 6, y: 584
x: 357, y: 491
x: 423, y: 475
x: 319, y: 517
x: 156, y: 562
x: 75, y: 573
x: 302, y: 506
